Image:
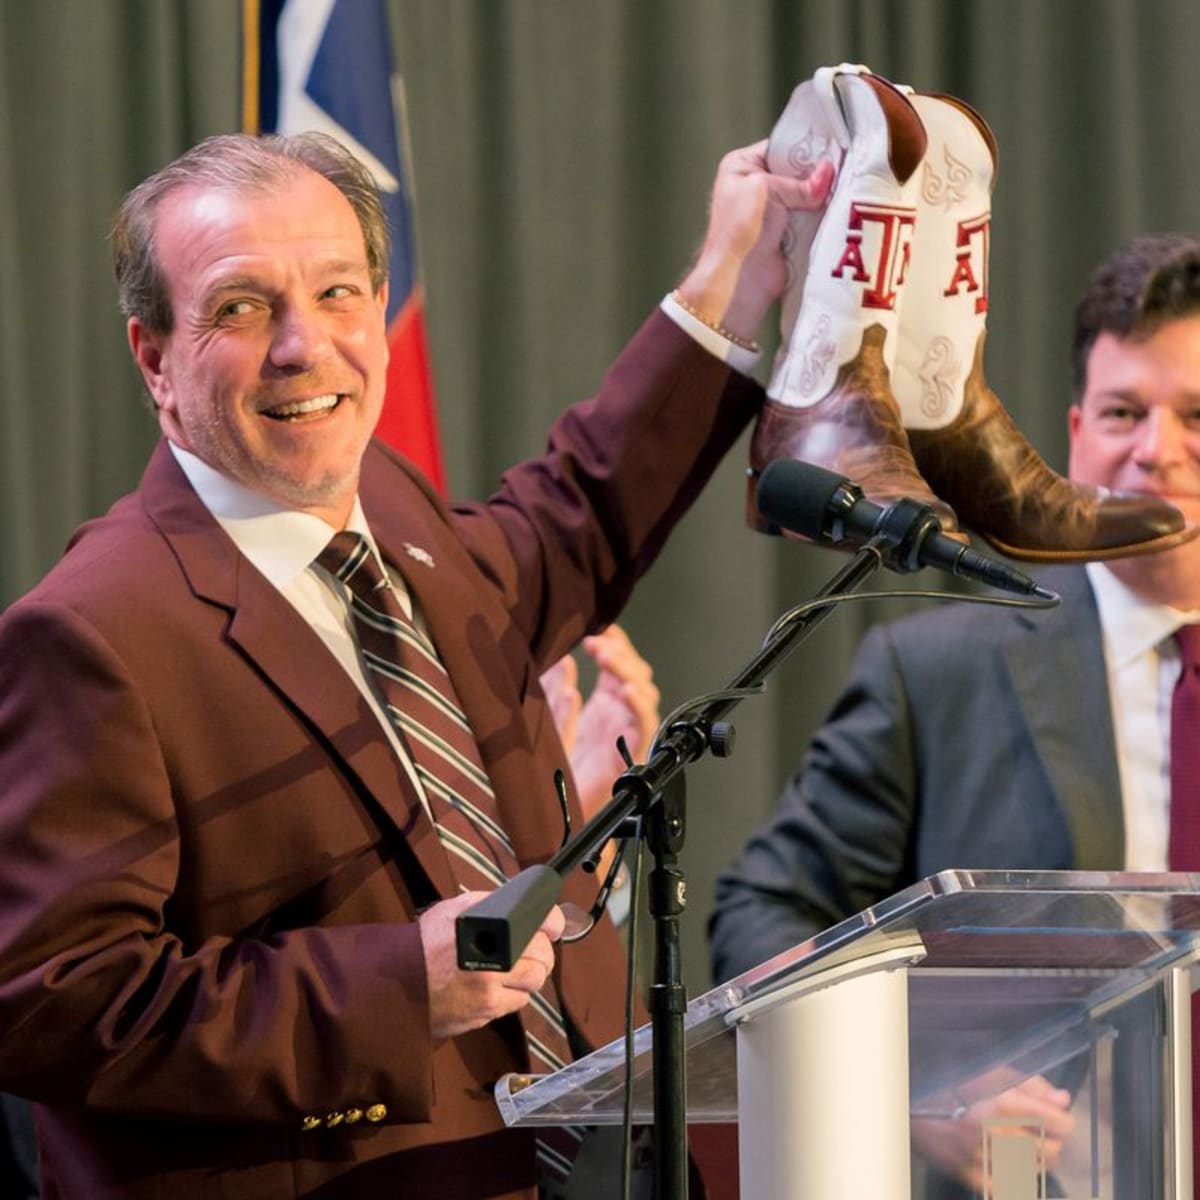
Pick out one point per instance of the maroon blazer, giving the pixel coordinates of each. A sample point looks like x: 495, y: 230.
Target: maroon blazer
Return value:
x: 211, y: 861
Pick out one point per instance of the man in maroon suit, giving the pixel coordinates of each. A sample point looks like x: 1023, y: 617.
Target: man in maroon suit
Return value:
x: 227, y: 961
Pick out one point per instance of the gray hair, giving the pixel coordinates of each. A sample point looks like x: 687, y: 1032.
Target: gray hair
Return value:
x: 237, y: 162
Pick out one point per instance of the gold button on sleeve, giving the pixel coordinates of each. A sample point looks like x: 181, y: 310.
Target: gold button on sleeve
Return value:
x: 334, y: 1119
x: 310, y: 1123
x: 376, y: 1113
x: 353, y: 1116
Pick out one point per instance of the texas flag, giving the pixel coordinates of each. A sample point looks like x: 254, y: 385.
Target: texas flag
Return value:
x: 327, y: 65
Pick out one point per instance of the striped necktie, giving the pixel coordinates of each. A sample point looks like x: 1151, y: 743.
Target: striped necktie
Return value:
x: 412, y: 685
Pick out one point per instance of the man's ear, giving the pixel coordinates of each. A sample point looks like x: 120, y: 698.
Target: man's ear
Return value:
x: 1074, y: 420
x: 150, y: 353
x: 381, y: 299
x: 1074, y: 416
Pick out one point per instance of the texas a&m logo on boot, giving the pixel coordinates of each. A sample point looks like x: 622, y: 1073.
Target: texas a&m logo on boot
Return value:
x: 971, y: 261
x: 890, y: 230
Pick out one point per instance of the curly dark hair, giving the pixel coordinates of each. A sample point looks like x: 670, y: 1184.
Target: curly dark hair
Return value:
x: 1149, y: 281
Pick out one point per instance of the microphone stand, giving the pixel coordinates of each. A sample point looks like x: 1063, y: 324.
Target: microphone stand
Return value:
x: 491, y: 935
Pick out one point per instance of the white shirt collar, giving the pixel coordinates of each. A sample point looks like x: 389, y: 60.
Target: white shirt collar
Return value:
x: 279, y: 541
x: 1132, y: 626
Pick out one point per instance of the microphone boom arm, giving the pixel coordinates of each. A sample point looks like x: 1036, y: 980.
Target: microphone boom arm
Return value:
x: 491, y: 935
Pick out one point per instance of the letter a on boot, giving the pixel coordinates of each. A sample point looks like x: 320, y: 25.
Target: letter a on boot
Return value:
x: 829, y: 397
x: 966, y: 445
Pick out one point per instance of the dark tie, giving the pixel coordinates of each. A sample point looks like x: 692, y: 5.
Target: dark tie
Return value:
x: 1183, y: 847
x: 1183, y: 853
x: 407, y: 675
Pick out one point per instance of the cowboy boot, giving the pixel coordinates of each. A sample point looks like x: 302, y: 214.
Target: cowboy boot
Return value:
x: 829, y: 398
x: 964, y: 442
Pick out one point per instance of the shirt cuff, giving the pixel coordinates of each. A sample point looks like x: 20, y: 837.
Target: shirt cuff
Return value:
x: 738, y: 357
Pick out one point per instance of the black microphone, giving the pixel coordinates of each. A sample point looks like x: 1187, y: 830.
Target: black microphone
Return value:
x: 826, y: 507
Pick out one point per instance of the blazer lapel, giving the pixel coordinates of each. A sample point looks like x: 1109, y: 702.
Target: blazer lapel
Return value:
x: 1060, y: 679
x: 270, y: 632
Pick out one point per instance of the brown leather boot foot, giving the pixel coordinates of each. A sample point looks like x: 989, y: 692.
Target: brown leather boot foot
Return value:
x: 1003, y: 490
x: 854, y: 430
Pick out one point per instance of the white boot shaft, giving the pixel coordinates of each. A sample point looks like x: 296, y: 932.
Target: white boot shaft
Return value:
x: 856, y: 264
x: 811, y: 128
x: 946, y: 296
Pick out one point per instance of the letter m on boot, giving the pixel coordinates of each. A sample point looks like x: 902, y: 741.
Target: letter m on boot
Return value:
x: 972, y: 247
x: 891, y: 232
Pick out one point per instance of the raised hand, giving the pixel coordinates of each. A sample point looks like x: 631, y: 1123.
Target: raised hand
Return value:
x: 741, y: 269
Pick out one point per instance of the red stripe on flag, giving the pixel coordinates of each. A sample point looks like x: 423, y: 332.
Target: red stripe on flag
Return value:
x: 408, y: 422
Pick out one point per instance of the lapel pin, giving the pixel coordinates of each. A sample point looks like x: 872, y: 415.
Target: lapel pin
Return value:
x: 419, y: 553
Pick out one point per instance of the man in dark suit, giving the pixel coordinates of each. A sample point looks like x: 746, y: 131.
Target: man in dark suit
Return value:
x: 984, y: 738
x: 227, y: 902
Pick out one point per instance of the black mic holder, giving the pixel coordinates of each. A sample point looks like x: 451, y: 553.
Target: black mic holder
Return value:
x: 904, y: 526
x: 491, y: 935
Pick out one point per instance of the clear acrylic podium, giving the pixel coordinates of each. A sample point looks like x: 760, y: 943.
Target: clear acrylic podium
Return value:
x: 898, y: 1020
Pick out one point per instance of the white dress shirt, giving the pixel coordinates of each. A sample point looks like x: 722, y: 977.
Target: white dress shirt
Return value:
x: 740, y: 358
x: 1142, y: 662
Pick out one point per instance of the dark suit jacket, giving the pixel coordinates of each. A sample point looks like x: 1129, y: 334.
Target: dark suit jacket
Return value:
x: 966, y: 737
x: 211, y: 861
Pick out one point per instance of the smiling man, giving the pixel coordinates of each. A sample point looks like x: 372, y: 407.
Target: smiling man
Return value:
x: 274, y: 721
x: 979, y: 738
x: 1136, y: 425
x: 271, y: 367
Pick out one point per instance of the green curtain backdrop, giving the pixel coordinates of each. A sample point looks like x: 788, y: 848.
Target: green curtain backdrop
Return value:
x: 563, y: 152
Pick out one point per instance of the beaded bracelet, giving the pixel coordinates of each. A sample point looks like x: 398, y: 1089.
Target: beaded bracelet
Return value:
x: 742, y: 343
